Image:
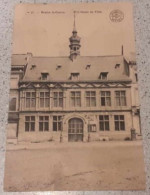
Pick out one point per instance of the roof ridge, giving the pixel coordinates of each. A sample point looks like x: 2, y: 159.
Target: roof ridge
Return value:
x: 68, y: 56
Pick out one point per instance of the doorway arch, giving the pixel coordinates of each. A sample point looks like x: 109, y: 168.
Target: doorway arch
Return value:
x: 75, y: 130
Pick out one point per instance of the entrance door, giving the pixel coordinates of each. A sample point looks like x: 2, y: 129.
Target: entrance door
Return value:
x: 75, y: 130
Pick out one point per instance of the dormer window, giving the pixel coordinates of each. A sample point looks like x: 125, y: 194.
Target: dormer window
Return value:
x: 88, y: 66
x: 44, y: 75
x: 103, y: 75
x: 117, y: 65
x: 58, y: 67
x: 33, y: 66
x: 74, y: 76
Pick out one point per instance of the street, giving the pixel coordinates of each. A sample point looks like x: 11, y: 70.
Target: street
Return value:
x: 76, y: 166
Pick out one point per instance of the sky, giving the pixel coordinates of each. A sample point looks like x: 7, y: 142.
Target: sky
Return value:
x: 44, y: 29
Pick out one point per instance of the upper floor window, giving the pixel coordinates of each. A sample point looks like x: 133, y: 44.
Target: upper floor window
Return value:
x: 57, y: 123
x: 120, y: 98
x: 44, y: 75
x: 43, y: 123
x: 44, y: 99
x: 75, y: 98
x: 58, y: 99
x: 30, y: 99
x: 103, y: 75
x: 29, y: 123
x: 12, y: 104
x: 104, y: 123
x: 75, y: 76
x: 119, y: 122
x: 90, y: 98
x: 105, y: 98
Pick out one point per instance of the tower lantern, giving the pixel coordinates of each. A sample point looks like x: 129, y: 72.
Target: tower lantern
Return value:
x: 74, y: 43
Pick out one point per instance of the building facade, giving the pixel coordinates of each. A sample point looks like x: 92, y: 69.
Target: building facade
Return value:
x: 73, y: 98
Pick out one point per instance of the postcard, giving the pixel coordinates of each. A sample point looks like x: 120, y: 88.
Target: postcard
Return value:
x: 74, y: 111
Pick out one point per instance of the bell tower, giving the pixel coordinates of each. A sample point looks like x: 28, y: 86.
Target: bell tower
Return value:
x: 74, y: 43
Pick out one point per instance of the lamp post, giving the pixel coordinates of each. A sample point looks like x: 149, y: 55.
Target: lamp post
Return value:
x: 89, y: 137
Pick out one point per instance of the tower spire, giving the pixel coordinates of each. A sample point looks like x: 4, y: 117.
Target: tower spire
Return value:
x: 74, y: 42
x: 122, y: 50
x: 74, y: 25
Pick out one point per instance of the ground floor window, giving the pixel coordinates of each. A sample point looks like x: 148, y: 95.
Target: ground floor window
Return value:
x: 104, y: 123
x: 29, y: 123
x: 119, y: 122
x: 57, y: 123
x: 92, y: 128
x: 43, y: 123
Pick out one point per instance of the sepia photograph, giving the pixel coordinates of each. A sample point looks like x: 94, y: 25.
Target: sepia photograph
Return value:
x: 74, y: 107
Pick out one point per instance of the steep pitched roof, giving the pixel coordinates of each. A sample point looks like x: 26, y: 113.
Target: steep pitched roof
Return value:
x: 19, y: 59
x: 66, y: 67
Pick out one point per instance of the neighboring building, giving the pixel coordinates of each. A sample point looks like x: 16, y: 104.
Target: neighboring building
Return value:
x: 78, y: 98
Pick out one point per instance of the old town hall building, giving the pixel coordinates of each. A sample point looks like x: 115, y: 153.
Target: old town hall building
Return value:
x: 73, y: 98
